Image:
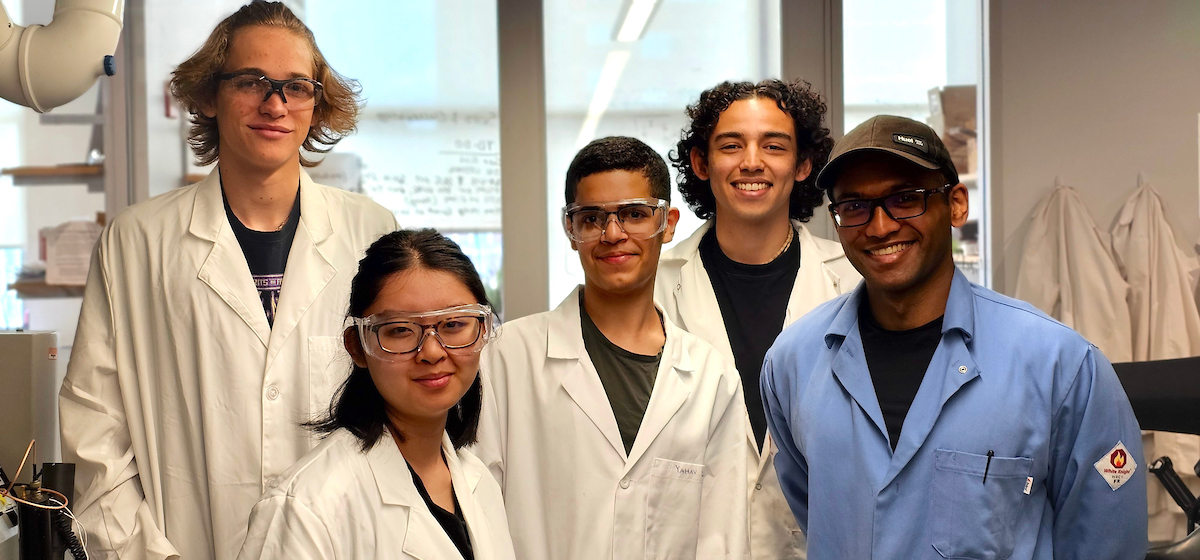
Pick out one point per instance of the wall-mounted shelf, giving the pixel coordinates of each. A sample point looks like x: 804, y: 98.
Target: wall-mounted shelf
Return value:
x: 38, y: 289
x: 69, y: 174
x: 79, y: 173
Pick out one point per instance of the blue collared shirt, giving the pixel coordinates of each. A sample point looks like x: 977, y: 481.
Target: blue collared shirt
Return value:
x: 1005, y: 379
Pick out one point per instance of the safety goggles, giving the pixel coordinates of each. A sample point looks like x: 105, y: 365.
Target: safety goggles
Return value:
x: 296, y: 93
x: 462, y: 329
x: 901, y: 205
x: 639, y: 218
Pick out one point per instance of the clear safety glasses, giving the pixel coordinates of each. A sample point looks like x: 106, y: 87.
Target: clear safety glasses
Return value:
x: 463, y: 329
x: 296, y: 93
x: 639, y: 218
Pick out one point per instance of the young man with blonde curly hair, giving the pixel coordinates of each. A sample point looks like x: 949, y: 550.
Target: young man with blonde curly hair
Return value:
x: 747, y: 163
x: 212, y: 313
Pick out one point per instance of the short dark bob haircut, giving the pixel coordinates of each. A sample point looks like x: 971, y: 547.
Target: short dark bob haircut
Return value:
x: 357, y: 406
x: 797, y: 99
x: 621, y: 153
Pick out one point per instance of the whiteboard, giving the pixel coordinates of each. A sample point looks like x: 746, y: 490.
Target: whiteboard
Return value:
x: 435, y: 168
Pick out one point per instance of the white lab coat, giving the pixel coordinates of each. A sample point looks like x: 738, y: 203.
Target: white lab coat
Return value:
x: 1068, y: 271
x: 180, y: 401
x: 686, y: 295
x: 1166, y: 325
x: 550, y: 437
x: 339, y: 502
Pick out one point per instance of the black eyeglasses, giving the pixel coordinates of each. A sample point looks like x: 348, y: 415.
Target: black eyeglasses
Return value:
x: 901, y: 205
x: 303, y: 93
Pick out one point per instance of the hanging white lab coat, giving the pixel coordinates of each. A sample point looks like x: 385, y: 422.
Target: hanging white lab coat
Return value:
x: 181, y: 402
x: 550, y: 437
x: 1166, y: 324
x: 684, y: 291
x: 338, y: 502
x: 1068, y: 271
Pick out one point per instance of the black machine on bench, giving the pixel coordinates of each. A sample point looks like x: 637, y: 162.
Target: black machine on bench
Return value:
x: 1165, y: 395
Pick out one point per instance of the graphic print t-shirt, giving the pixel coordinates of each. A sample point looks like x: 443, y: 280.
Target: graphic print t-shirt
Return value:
x: 266, y: 252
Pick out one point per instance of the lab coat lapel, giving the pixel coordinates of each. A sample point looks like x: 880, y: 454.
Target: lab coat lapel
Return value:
x: 850, y: 368
x: 815, y: 282
x: 465, y: 483
x: 576, y: 374
x: 704, y: 319
x: 225, y: 269
x: 949, y: 370
x: 850, y: 363
x: 396, y: 489
x: 672, y: 386
x: 308, y: 270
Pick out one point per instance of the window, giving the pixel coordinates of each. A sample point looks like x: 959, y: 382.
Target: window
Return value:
x: 921, y: 59
x: 427, y: 146
x: 609, y: 74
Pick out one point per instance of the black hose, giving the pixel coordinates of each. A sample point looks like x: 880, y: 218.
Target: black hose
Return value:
x: 62, y: 524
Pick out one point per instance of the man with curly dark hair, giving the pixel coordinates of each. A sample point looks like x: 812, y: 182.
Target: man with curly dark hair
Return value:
x: 747, y: 164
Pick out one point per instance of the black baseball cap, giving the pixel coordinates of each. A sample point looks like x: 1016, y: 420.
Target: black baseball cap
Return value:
x: 909, y: 139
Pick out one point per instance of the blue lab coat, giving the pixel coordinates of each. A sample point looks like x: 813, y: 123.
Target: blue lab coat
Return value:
x: 1005, y: 378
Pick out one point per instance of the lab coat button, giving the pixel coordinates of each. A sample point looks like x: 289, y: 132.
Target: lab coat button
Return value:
x: 758, y: 487
x: 625, y: 483
x: 272, y: 392
x: 962, y: 369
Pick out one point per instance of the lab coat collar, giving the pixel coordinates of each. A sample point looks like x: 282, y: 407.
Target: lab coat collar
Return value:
x: 689, y: 249
x: 564, y: 336
x: 227, y: 273
x: 815, y: 282
x: 951, y: 367
x: 208, y: 214
x: 386, y: 460
x: 672, y: 385
x: 960, y: 311
x: 396, y: 488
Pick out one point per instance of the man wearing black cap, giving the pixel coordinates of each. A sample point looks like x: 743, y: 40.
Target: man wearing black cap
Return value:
x: 922, y: 416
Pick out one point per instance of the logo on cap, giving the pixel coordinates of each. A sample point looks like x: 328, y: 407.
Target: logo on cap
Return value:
x: 910, y: 140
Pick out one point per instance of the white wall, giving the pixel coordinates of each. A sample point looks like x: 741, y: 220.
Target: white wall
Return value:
x: 1092, y: 91
x: 166, y: 45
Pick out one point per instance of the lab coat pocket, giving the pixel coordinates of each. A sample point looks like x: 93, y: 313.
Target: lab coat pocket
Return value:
x: 974, y: 518
x: 328, y: 367
x: 673, y: 509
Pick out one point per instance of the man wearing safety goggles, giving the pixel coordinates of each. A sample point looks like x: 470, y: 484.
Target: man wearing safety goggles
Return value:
x: 614, y: 433
x: 209, y: 328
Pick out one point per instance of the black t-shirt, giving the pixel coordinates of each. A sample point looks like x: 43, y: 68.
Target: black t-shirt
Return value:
x: 267, y: 253
x: 753, y: 300
x: 453, y: 523
x: 628, y: 378
x: 897, y: 361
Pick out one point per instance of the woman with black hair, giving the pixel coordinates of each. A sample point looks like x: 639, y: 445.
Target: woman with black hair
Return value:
x: 392, y: 478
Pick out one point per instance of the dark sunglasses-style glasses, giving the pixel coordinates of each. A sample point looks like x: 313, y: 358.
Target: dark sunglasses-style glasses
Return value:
x: 901, y: 205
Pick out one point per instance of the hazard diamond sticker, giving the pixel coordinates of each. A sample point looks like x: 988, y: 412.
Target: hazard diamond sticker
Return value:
x: 1116, y: 466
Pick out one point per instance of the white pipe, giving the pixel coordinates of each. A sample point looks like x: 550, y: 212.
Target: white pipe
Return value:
x: 43, y: 67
